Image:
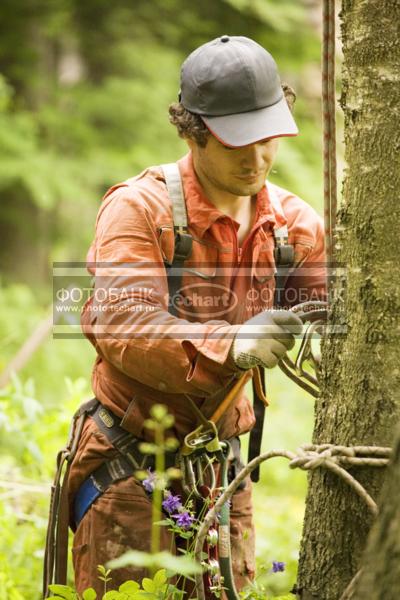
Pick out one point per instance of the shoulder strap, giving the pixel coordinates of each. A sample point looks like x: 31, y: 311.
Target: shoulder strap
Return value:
x: 175, y: 191
x: 284, y: 259
x: 283, y: 253
x: 183, y: 239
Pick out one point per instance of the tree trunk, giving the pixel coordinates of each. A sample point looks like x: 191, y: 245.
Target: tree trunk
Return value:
x: 380, y: 576
x: 360, y: 401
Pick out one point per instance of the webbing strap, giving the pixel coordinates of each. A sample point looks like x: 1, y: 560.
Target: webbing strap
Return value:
x: 175, y: 191
x: 283, y: 253
x: 284, y: 259
x: 56, y: 550
x: 281, y: 234
x: 98, y: 482
x: 259, y: 413
x: 129, y: 460
x: 183, y: 239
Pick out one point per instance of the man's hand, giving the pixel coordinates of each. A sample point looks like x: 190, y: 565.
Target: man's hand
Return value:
x: 265, y: 339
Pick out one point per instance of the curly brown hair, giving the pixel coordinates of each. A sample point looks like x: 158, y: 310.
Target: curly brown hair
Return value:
x: 190, y: 125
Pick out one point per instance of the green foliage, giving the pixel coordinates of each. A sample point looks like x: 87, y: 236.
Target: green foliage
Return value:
x: 66, y: 363
x: 181, y: 565
x: 155, y: 588
x: 84, y: 107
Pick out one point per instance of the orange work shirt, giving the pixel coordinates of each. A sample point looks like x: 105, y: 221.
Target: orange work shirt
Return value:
x: 145, y: 354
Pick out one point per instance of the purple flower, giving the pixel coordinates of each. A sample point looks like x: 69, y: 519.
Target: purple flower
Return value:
x: 149, y: 482
x: 277, y: 566
x: 184, y: 520
x: 172, y: 503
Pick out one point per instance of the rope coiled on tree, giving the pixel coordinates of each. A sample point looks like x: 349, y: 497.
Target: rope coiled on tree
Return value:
x: 335, y: 458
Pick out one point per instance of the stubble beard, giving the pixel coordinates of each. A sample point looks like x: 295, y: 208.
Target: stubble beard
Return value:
x: 237, y: 189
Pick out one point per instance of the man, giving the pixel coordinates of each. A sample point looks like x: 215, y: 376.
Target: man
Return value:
x: 220, y: 322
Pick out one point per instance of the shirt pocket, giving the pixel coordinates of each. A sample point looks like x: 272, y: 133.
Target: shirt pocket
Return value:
x: 264, y: 269
x: 302, y: 250
x: 205, y: 294
x: 260, y: 295
x: 203, y: 258
x: 202, y: 262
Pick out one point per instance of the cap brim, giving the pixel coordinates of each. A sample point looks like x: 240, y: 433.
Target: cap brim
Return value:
x: 246, y: 128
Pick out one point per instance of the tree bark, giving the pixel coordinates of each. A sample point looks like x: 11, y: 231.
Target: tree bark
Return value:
x: 360, y: 401
x: 380, y: 575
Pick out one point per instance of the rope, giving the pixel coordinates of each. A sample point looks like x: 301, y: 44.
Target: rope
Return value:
x: 308, y: 457
x: 336, y: 458
x: 351, y: 588
x: 329, y: 129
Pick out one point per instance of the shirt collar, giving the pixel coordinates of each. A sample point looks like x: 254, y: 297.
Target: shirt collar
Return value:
x: 202, y: 213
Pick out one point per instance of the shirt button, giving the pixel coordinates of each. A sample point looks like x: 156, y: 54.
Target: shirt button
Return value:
x: 162, y: 386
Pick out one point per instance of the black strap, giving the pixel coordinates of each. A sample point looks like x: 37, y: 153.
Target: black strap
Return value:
x: 97, y: 483
x: 183, y: 250
x: 129, y: 460
x: 257, y: 431
x: 284, y: 260
x: 56, y: 550
x: 126, y: 443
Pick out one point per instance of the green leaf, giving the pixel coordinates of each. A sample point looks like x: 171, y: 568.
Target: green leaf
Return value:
x: 158, y: 411
x: 103, y: 571
x: 186, y: 535
x: 148, y: 585
x: 174, y: 473
x: 168, y: 421
x: 171, y: 444
x: 160, y: 578
x: 147, y: 448
x: 64, y: 591
x: 112, y: 595
x: 129, y: 587
x: 89, y: 594
x: 163, y: 522
x: 182, y: 565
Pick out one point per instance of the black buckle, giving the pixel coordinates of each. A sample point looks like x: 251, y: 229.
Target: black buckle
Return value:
x: 284, y: 255
x: 183, y: 246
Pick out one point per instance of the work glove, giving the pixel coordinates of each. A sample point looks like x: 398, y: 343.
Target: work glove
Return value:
x: 264, y: 339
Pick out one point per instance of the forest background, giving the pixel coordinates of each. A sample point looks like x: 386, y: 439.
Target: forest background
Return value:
x: 84, y: 91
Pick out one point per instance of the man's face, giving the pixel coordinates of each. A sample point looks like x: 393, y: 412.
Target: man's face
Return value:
x: 238, y: 171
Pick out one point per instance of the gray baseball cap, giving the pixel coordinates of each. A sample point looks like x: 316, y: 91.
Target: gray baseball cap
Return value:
x: 234, y: 85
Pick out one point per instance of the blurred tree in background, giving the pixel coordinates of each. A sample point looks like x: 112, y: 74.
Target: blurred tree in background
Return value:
x: 84, y: 91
